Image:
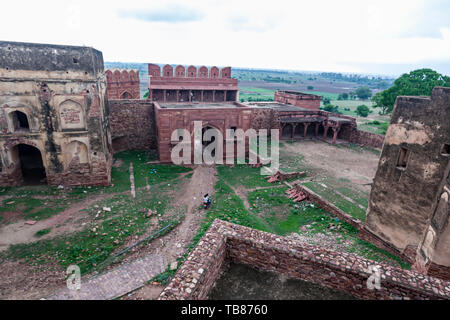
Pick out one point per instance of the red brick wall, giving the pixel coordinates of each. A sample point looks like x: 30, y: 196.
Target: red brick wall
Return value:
x: 133, y: 124
x: 307, y: 101
x: 169, y: 120
x: 123, y: 82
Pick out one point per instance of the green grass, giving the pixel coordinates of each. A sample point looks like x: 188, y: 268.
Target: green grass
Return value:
x: 105, y: 231
x: 42, y: 232
x: 244, y: 175
x: 337, y: 200
x: 34, y: 209
x: 91, y: 246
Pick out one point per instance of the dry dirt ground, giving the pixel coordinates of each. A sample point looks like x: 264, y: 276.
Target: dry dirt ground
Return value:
x: 359, y: 167
x: 20, y: 232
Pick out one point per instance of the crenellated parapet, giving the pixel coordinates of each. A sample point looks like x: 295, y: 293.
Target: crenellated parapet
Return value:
x: 123, y: 84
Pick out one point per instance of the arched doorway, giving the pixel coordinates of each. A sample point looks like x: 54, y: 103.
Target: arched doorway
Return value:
x: 126, y: 95
x: 33, y: 170
x: 213, y: 138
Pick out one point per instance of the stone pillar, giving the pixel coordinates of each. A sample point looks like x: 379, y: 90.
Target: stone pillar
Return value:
x: 316, y: 130
x: 214, y: 96
x: 306, y: 125
x: 165, y: 95
x: 293, y: 131
x: 325, y: 132
x: 224, y: 95
x: 201, y: 96
x: 190, y: 96
x: 177, y: 96
x: 335, y: 133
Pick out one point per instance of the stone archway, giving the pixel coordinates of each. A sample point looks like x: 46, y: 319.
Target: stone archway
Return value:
x: 31, y: 164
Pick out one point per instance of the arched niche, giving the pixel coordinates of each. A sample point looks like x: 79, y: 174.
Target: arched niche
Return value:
x: 214, y: 72
x: 75, y: 153
x: 71, y: 116
x: 203, y: 72
x: 180, y: 71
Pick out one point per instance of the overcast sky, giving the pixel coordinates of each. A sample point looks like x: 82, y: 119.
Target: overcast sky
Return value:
x: 379, y: 36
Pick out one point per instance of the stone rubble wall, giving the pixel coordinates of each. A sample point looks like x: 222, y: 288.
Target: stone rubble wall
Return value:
x: 225, y: 241
x: 133, y: 124
x: 368, y: 139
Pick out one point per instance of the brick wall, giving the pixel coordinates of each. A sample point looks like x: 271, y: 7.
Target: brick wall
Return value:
x: 270, y: 252
x: 368, y: 139
x: 133, y: 125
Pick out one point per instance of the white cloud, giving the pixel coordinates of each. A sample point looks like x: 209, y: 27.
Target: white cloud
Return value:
x: 346, y: 35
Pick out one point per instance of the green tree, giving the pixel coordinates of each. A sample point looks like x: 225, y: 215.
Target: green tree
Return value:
x: 416, y: 83
x: 363, y: 93
x: 362, y: 110
x: 146, y: 95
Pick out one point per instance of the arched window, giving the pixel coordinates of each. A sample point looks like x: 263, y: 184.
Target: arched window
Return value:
x: 20, y: 121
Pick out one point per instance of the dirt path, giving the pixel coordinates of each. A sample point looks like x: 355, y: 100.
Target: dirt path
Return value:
x: 358, y: 167
x: 19, y: 232
x: 172, y: 245
x: 132, y: 275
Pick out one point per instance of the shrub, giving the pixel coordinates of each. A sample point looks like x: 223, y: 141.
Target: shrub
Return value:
x: 362, y: 110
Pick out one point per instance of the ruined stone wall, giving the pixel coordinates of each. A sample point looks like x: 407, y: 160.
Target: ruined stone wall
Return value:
x: 270, y: 252
x: 61, y: 91
x: 307, y: 101
x: 264, y: 118
x: 133, y: 125
x: 368, y: 139
x: 411, y: 178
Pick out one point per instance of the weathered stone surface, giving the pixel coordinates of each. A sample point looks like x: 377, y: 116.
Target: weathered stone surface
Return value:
x: 53, y: 101
x: 408, y: 207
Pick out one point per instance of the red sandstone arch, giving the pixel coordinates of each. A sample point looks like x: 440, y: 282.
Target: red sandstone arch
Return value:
x: 192, y: 72
x: 154, y: 70
x: 126, y: 95
x: 180, y: 71
x: 214, y: 72
x: 225, y: 72
x: 203, y: 72
x: 167, y: 71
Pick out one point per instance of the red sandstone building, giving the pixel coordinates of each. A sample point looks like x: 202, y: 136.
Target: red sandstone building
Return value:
x: 123, y: 84
x: 299, y: 99
x: 191, y: 85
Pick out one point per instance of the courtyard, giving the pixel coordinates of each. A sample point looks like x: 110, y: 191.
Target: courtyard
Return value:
x: 44, y: 229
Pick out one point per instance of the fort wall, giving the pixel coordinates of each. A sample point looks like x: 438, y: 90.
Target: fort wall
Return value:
x: 224, y: 242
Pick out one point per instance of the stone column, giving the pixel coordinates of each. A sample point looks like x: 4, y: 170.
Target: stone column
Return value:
x: 190, y: 97
x: 165, y: 95
x: 325, y: 132
x: 214, y: 96
x: 177, y: 94
x: 224, y: 95
x: 306, y: 125
x: 293, y: 131
x: 316, y: 130
x: 335, y: 133
x: 201, y: 96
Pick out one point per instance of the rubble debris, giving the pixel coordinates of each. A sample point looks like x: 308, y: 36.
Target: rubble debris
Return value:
x: 281, y: 176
